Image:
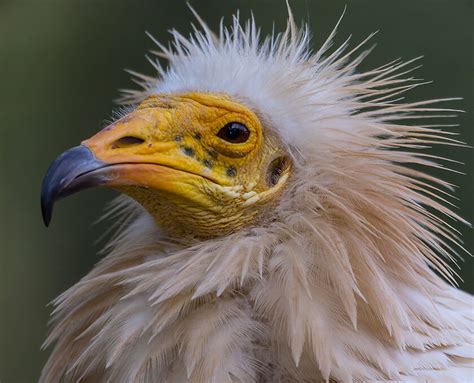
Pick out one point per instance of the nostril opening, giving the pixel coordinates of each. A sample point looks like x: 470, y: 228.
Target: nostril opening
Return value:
x: 127, y: 141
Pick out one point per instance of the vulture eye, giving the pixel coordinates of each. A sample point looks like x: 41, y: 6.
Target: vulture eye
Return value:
x: 234, y: 132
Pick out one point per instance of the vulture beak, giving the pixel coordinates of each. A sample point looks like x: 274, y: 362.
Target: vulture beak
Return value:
x: 139, y: 153
x: 74, y: 170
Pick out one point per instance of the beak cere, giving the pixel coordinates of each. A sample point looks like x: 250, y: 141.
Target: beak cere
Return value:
x: 106, y: 159
x: 74, y: 170
x: 136, y: 154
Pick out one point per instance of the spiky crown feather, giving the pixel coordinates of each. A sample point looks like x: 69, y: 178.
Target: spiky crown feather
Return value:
x: 341, y: 277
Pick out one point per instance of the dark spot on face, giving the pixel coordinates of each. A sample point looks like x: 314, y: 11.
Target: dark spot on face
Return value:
x: 207, y: 164
x: 197, y: 136
x: 150, y: 145
x: 178, y: 138
x: 212, y: 153
x: 188, y: 151
x: 231, y: 171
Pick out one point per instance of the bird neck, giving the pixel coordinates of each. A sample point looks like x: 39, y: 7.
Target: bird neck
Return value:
x: 266, y: 294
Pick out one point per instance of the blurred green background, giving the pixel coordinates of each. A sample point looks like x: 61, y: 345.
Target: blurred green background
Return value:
x: 60, y: 65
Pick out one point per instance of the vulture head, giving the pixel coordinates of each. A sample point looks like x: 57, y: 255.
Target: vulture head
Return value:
x: 200, y: 163
x: 276, y: 223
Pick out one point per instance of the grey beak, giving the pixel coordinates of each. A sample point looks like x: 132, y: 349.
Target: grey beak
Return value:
x: 71, y: 172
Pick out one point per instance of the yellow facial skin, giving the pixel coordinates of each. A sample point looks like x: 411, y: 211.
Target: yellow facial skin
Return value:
x: 167, y: 154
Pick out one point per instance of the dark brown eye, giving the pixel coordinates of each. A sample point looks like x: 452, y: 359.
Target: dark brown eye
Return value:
x: 234, y: 132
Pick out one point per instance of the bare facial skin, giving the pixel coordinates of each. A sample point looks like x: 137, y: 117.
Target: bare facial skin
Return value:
x: 201, y: 164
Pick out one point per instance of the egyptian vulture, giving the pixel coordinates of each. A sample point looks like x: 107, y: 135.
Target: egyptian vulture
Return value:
x: 277, y: 223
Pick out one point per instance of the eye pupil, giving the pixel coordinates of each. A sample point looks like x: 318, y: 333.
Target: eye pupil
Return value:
x: 234, y: 132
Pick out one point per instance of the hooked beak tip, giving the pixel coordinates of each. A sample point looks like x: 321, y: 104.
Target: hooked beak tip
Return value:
x: 46, y: 211
x: 58, y: 181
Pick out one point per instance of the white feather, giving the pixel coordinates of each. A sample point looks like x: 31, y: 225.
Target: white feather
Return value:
x: 340, y: 285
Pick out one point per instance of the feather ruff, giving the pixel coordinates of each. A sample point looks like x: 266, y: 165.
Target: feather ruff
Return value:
x: 344, y: 280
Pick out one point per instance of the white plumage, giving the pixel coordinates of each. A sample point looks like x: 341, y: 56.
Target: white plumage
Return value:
x: 339, y: 282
